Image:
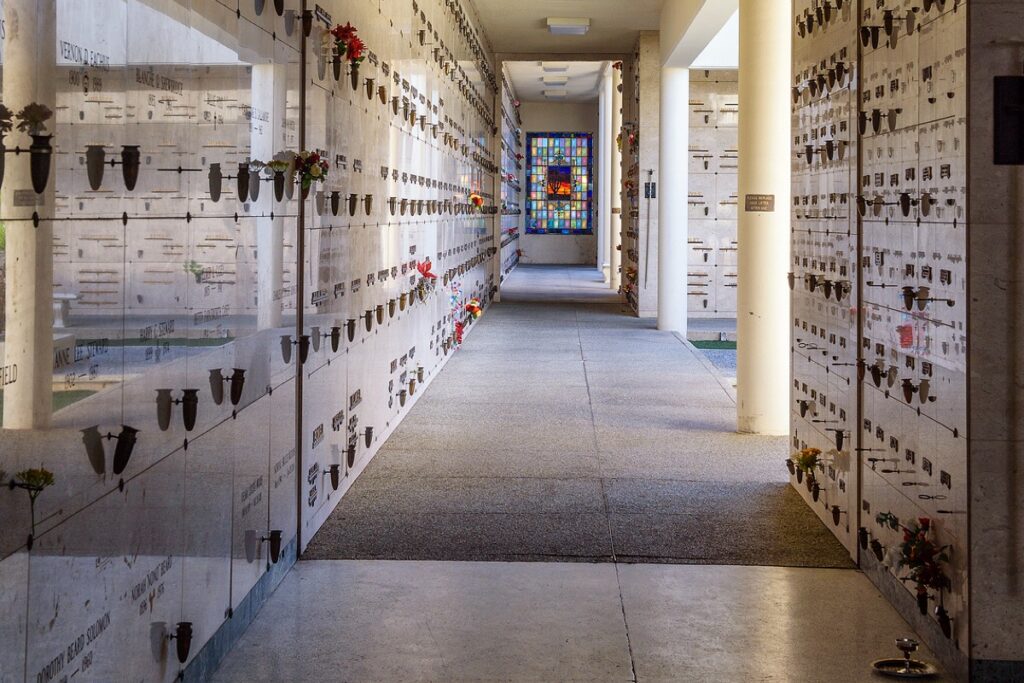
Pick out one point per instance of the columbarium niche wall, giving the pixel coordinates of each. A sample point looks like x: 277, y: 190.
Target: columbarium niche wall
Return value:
x: 712, y: 268
x: 155, y: 305
x: 513, y: 160
x: 825, y: 243
x: 183, y: 472
x: 412, y: 141
x: 890, y: 222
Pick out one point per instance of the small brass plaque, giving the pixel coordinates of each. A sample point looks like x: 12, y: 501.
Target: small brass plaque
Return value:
x: 759, y: 202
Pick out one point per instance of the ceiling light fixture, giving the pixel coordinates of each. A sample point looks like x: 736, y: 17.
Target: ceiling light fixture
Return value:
x: 555, y: 93
x: 554, y: 67
x: 555, y: 80
x: 563, y: 26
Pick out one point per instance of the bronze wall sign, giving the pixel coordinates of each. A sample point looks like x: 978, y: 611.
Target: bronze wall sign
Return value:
x: 760, y: 203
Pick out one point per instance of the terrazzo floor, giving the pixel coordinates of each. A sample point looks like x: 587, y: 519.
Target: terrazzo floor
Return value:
x: 565, y: 430
x: 568, y: 433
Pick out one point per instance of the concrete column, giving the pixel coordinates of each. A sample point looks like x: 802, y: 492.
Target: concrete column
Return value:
x: 602, y: 181
x: 764, y: 231
x: 29, y: 76
x: 269, y: 95
x: 605, y: 157
x: 672, y: 192
x: 991, y: 309
x: 615, y: 252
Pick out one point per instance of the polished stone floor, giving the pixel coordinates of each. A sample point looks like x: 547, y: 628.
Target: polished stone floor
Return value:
x: 603, y: 451
x: 379, y: 620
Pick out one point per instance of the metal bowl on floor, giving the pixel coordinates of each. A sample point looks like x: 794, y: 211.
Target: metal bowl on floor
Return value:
x: 897, y: 667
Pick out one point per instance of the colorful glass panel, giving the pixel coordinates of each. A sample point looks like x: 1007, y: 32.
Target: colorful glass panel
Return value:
x: 559, y: 197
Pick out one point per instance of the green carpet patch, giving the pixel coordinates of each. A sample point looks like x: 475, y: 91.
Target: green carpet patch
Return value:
x: 715, y: 344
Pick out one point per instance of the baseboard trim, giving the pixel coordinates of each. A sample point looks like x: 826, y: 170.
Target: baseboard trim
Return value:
x: 953, y: 660
x: 207, y: 660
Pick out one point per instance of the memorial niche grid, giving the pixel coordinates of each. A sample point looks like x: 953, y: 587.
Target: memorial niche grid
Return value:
x: 879, y: 307
x: 559, y: 183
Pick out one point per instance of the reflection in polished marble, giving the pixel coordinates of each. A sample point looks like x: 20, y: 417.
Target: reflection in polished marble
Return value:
x: 175, y: 290
x: 462, y: 621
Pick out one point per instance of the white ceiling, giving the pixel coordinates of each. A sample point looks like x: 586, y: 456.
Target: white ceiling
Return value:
x: 584, y: 80
x: 520, y: 26
x: 723, y: 51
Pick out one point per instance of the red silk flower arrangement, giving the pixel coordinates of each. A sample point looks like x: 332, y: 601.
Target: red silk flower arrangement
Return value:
x: 424, y: 267
x: 923, y: 557
x: 473, y: 307
x: 476, y: 200
x: 356, y: 47
x: 347, y: 44
x: 920, y: 555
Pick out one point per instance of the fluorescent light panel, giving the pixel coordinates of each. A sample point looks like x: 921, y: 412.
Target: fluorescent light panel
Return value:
x: 555, y: 80
x: 555, y: 93
x: 568, y: 26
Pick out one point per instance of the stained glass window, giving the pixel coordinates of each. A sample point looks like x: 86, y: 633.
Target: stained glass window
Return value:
x: 559, y: 183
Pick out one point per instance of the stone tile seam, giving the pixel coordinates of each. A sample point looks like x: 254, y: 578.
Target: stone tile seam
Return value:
x: 607, y: 516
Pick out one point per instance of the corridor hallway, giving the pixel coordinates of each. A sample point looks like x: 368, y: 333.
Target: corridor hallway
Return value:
x: 564, y: 429
x: 534, y: 515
